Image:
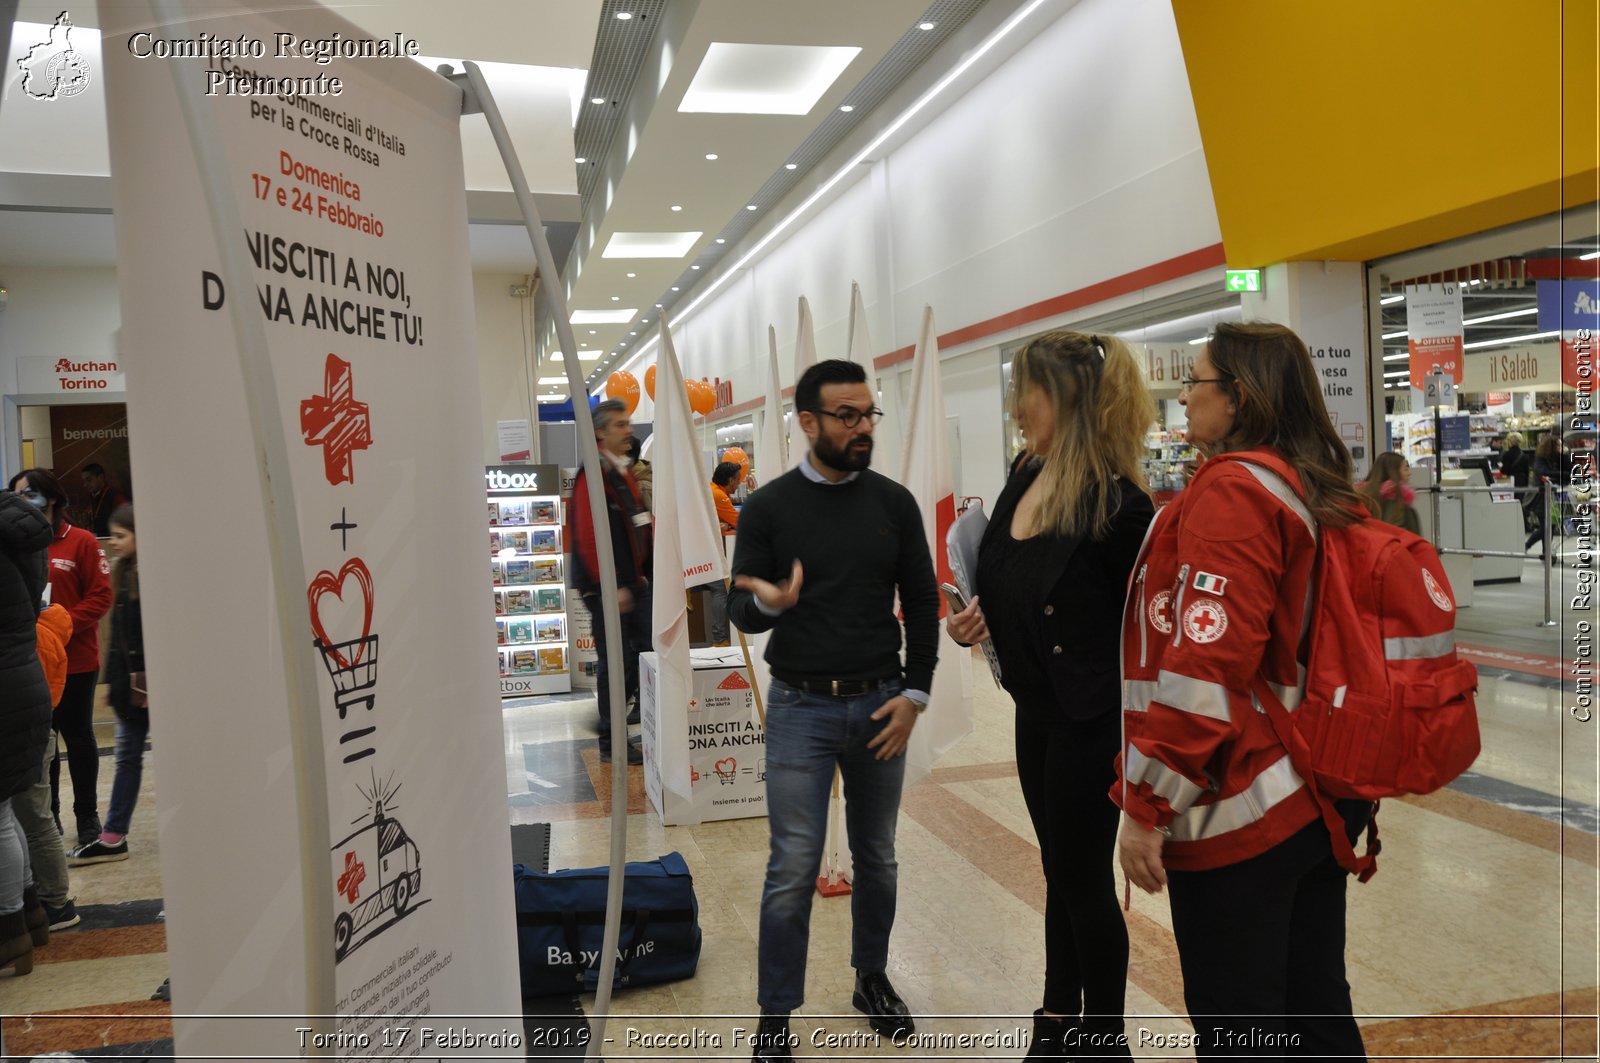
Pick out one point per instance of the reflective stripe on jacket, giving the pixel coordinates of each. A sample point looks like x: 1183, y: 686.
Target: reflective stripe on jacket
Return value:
x: 1220, y: 594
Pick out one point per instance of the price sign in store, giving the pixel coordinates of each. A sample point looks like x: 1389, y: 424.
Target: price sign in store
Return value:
x: 1243, y: 280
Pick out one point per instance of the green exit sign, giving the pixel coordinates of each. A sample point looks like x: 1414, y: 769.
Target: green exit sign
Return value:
x: 1244, y: 280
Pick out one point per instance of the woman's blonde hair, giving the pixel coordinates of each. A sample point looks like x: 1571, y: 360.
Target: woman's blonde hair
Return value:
x: 1102, y: 410
x: 1514, y: 439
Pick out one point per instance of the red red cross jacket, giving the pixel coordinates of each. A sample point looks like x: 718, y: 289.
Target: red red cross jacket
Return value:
x: 1221, y: 592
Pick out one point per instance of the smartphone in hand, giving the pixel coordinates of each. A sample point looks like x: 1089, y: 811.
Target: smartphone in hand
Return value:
x: 953, y: 597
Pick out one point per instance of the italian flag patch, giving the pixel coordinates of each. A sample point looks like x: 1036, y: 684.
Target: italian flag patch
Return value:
x: 1205, y: 581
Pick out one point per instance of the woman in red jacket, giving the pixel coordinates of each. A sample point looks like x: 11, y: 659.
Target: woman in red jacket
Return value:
x: 79, y: 583
x: 1212, y: 806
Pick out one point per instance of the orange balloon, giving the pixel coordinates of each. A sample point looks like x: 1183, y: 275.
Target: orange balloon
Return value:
x: 739, y: 458
x: 624, y: 387
x: 702, y: 397
x: 650, y: 382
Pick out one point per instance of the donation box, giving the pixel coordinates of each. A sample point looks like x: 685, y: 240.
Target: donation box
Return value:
x: 716, y: 736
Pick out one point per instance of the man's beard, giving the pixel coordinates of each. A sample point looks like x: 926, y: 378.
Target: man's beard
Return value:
x: 852, y: 457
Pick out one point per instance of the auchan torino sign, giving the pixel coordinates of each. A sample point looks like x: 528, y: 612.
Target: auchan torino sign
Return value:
x: 523, y: 479
x: 55, y: 375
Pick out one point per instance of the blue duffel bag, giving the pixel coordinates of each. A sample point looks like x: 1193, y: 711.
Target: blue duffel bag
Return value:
x: 561, y: 919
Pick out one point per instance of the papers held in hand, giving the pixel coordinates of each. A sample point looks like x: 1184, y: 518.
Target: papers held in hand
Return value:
x: 962, y: 545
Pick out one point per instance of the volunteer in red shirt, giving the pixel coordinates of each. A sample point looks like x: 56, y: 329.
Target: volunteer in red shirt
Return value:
x: 1212, y: 807
x: 79, y: 583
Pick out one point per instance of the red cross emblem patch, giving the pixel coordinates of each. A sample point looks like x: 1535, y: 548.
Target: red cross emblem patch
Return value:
x: 1205, y: 620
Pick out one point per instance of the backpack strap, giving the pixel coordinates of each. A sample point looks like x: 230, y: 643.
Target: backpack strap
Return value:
x: 1363, y: 866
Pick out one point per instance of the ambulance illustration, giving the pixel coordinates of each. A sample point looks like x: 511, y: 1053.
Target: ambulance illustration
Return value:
x: 378, y: 875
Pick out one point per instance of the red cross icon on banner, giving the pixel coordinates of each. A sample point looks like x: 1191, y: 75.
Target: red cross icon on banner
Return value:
x: 336, y: 422
x: 355, y: 873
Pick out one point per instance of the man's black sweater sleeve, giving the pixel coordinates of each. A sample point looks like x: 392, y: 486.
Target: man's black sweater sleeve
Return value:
x: 919, y: 600
x: 752, y: 556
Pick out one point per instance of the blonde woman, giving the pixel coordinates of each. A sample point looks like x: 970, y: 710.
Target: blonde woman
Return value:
x: 1052, y: 576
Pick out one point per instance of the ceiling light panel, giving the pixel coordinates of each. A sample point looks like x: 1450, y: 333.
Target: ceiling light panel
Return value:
x: 764, y: 78
x: 650, y: 245
x: 604, y: 317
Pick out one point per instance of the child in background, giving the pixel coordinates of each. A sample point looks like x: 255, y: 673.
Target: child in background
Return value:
x: 128, y: 696
x: 1389, y: 493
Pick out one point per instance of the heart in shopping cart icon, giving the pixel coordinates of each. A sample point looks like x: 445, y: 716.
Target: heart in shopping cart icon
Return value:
x: 342, y: 614
x: 727, y: 767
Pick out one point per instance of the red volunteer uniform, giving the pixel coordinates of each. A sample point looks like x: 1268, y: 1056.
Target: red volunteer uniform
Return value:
x: 79, y: 583
x: 1220, y: 594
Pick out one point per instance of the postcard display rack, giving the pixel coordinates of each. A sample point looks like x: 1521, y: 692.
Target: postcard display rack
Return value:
x: 530, y: 592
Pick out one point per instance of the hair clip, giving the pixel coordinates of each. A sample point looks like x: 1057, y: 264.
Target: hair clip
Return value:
x: 1098, y: 346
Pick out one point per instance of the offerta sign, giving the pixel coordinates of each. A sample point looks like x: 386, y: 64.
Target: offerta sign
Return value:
x: 1434, y: 330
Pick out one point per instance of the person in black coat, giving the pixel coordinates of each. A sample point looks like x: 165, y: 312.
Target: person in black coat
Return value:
x: 24, y: 707
x: 1053, y: 571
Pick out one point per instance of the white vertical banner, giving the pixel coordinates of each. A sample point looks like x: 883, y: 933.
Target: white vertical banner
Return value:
x: 771, y: 460
x: 354, y: 220
x: 928, y: 476
x: 860, y: 342
x: 688, y: 550
x: 805, y: 356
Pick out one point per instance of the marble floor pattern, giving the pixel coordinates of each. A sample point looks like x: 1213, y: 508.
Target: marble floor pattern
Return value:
x: 1477, y: 939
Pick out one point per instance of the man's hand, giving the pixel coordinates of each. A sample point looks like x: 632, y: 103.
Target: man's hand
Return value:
x: 624, y: 600
x: 968, y: 626
x: 775, y: 596
x: 891, y: 741
x: 1140, y: 854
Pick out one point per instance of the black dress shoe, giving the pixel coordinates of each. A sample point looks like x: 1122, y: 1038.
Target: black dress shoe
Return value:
x: 886, y: 1012
x: 773, y: 1041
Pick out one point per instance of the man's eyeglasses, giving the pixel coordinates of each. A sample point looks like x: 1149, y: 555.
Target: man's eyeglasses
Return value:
x: 849, y: 416
x: 1190, y: 382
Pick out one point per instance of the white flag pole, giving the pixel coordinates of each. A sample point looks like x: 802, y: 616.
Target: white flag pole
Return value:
x: 478, y: 93
x: 286, y: 558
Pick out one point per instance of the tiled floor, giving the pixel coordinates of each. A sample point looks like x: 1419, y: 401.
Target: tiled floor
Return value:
x: 1474, y: 941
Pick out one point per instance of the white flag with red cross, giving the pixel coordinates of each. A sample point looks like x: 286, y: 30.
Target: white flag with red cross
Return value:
x: 927, y: 474
x: 688, y: 547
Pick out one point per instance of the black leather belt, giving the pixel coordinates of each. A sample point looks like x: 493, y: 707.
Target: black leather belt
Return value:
x: 838, y: 688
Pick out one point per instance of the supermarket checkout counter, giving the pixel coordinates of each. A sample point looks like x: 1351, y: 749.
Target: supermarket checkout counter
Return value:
x: 1473, y: 520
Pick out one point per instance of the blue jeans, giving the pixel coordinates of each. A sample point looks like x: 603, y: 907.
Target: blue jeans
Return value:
x: 807, y: 735
x: 133, y: 727
x: 15, y: 875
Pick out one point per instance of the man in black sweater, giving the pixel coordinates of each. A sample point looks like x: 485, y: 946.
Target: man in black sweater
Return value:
x: 821, y: 553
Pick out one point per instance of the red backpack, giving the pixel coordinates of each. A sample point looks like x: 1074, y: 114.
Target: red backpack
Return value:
x: 1389, y: 707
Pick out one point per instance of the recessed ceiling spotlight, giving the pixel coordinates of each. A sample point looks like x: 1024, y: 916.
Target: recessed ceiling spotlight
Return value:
x: 632, y: 275
x: 623, y: 16
x: 597, y: 99
x: 711, y: 156
x: 633, y: 333
x: 580, y: 160
x: 658, y: 306
x: 791, y: 166
x: 591, y: 332
x: 676, y: 206
x: 674, y: 287
x: 720, y: 240
x: 925, y: 26
x: 847, y: 108
x: 616, y: 298
x: 694, y: 267
x: 752, y: 206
